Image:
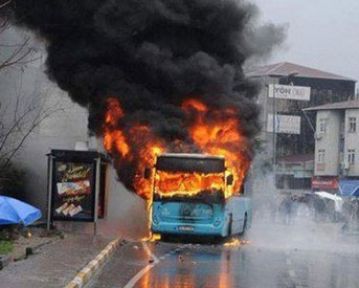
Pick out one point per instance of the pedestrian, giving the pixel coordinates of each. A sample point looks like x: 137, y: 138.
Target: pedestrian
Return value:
x: 286, y: 209
x: 319, y: 208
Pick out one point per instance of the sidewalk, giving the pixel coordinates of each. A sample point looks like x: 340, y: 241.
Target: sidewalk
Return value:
x: 55, y: 264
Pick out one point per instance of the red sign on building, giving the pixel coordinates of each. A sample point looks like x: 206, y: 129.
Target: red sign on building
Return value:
x: 324, y: 183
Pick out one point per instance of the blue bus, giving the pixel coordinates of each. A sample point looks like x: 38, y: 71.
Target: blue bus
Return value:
x: 181, y: 208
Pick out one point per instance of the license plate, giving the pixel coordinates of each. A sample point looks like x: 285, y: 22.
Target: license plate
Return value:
x: 185, y: 228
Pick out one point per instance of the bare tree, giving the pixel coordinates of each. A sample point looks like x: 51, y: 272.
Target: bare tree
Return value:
x: 21, y: 115
x: 12, y: 54
x: 17, y: 123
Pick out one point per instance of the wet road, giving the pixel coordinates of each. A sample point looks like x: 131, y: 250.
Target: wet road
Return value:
x: 292, y: 260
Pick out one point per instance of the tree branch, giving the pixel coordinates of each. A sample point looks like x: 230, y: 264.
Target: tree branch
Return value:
x: 16, y: 124
x: 37, y: 121
x: 2, y: 5
x: 19, y: 55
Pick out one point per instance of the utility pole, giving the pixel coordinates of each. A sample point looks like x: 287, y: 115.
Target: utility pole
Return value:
x: 274, y: 138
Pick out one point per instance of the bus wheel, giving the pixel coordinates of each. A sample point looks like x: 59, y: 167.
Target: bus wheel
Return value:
x: 165, y: 238
x: 244, y: 225
x: 230, y: 222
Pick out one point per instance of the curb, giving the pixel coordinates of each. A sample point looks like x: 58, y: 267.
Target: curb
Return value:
x: 84, y: 276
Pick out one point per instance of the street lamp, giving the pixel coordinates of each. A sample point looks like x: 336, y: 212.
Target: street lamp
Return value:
x: 274, y: 139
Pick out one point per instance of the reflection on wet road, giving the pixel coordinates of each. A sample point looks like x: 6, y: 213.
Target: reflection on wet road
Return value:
x: 190, y: 267
x: 171, y: 265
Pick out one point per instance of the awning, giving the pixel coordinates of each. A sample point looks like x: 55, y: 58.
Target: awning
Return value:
x: 349, y: 187
x: 324, y: 183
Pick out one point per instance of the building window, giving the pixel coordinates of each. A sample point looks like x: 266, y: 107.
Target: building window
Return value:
x: 321, y: 156
x: 351, y: 156
x: 352, y: 124
x: 323, y: 125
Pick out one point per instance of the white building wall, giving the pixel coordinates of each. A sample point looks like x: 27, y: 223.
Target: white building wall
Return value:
x: 351, y: 143
x: 327, y: 143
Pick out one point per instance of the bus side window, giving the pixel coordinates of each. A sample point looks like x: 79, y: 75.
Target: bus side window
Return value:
x: 229, y: 180
x: 147, y: 173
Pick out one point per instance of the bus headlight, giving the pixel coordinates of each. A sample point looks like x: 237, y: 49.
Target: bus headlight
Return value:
x: 154, y: 220
x: 217, y: 221
x: 165, y: 212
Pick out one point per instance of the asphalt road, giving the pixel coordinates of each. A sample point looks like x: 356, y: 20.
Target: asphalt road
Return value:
x: 275, y: 255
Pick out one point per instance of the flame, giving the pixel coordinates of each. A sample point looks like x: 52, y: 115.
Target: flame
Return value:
x: 148, y: 148
x: 236, y: 243
x: 142, y: 154
x: 189, y: 184
x: 217, y: 132
x: 212, y: 131
x: 153, y: 237
x: 114, y: 138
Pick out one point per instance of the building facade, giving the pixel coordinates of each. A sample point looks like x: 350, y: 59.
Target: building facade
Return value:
x: 336, y: 143
x: 296, y: 136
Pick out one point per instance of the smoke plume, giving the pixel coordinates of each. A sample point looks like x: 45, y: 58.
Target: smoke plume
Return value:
x: 150, y: 55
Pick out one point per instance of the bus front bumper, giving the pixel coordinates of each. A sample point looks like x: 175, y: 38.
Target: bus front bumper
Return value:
x: 195, y: 229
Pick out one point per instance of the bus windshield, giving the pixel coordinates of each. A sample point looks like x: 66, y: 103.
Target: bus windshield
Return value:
x: 189, y: 178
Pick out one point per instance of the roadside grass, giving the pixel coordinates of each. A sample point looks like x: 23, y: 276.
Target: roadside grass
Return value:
x: 5, y: 247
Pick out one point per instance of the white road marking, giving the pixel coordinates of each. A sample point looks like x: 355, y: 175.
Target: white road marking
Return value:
x: 149, y: 253
x: 147, y: 268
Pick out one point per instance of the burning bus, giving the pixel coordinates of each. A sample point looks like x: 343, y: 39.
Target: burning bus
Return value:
x: 190, y: 193
x: 192, y: 196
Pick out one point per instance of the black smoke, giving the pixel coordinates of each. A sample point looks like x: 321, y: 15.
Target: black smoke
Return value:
x: 150, y: 54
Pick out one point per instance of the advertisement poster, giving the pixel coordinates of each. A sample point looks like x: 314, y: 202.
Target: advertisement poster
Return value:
x: 73, y: 191
x: 287, y: 124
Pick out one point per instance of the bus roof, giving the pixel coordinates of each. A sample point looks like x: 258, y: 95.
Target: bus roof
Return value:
x: 190, y: 155
x: 177, y: 162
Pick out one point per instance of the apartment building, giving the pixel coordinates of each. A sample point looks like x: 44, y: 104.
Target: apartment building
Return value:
x: 325, y: 88
x: 336, y: 158
x: 292, y: 144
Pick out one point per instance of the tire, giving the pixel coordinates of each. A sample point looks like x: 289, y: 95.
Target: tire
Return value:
x: 244, y: 224
x: 230, y: 222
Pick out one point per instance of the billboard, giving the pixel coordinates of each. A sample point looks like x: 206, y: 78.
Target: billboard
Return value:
x: 73, y: 193
x: 287, y: 124
x: 289, y: 92
x: 76, y: 185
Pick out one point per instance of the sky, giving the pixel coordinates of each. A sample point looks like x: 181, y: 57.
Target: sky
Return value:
x: 322, y: 34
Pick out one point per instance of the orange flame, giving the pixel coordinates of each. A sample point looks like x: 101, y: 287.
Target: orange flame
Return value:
x: 188, y: 184
x: 219, y: 134
x: 149, y: 148
x: 114, y: 138
x: 140, y: 136
x: 213, y: 131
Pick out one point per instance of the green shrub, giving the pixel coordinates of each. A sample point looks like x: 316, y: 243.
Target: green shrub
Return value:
x: 5, y: 247
x: 12, y: 182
